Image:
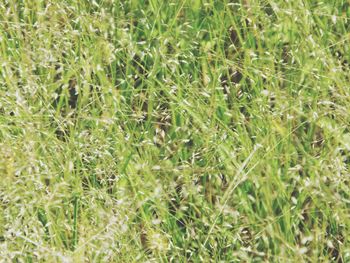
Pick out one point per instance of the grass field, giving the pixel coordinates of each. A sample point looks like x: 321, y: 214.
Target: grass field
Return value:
x: 174, y: 131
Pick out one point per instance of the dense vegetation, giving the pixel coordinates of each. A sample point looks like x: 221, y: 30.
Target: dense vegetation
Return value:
x: 180, y: 130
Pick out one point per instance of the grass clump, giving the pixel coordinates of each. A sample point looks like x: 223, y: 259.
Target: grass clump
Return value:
x: 185, y: 131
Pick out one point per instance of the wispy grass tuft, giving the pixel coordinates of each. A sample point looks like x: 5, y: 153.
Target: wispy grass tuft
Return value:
x: 190, y: 131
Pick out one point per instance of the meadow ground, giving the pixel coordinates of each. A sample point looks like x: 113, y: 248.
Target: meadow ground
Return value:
x: 180, y: 130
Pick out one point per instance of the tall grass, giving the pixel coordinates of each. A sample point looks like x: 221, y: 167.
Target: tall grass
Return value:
x: 185, y: 131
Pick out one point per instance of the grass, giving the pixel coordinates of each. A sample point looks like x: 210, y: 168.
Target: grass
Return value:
x: 185, y: 131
